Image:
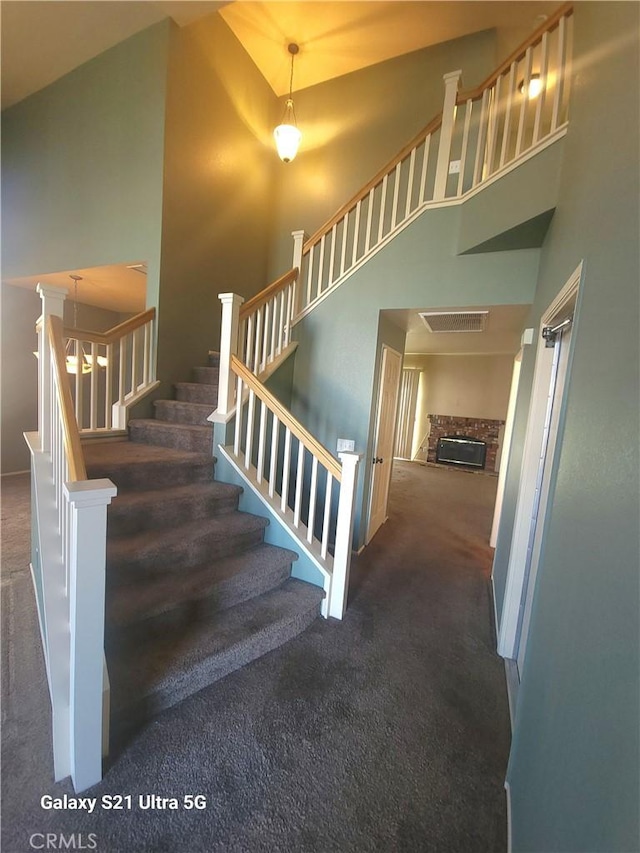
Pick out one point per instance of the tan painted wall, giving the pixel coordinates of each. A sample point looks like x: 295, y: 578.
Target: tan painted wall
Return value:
x: 470, y: 386
x: 217, y: 186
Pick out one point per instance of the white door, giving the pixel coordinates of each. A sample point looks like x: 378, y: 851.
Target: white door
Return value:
x: 548, y: 392
x: 382, y: 461
x: 545, y: 464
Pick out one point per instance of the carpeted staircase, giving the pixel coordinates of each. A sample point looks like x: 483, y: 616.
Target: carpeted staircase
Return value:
x: 193, y: 591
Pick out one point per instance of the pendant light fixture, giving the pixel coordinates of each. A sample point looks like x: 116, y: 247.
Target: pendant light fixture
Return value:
x: 286, y: 134
x: 76, y: 360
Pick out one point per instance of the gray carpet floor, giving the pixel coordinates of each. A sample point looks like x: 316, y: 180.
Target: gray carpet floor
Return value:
x: 388, y: 731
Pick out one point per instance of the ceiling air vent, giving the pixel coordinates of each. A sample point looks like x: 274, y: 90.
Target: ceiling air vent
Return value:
x: 454, y: 321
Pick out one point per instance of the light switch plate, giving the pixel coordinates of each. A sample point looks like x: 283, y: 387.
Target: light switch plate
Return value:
x: 454, y: 167
x: 345, y: 444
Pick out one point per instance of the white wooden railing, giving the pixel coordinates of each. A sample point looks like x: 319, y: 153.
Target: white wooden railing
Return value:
x: 479, y: 135
x: 309, y: 490
x: 68, y: 562
x: 258, y: 332
x: 111, y: 371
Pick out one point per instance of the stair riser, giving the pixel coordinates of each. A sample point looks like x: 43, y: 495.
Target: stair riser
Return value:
x: 220, y: 597
x: 152, y: 563
x: 181, y: 412
x: 217, y: 666
x: 165, y: 435
x: 206, y: 375
x: 170, y: 514
x: 188, y: 392
x: 157, y: 476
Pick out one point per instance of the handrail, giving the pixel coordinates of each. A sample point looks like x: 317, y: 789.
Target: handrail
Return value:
x: 114, y: 334
x: 433, y: 125
x: 546, y: 26
x: 265, y: 295
x: 287, y: 419
x: 71, y: 435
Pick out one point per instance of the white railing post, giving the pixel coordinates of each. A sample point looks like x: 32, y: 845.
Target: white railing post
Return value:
x: 88, y: 501
x: 298, y: 241
x: 52, y: 305
x: 451, y: 82
x: 344, y: 534
x: 231, y: 303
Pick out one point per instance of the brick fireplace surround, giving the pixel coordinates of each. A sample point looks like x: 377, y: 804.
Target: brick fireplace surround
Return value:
x: 483, y: 429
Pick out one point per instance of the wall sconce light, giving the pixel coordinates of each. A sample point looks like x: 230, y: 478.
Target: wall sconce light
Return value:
x: 535, y: 86
x: 286, y: 134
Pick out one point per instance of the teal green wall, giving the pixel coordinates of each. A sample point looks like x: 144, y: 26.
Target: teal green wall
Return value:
x: 218, y: 173
x: 575, y: 757
x: 356, y: 123
x: 338, y: 341
x: 82, y: 164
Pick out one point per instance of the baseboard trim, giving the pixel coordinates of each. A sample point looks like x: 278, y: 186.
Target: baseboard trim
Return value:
x: 507, y: 788
x: 495, y: 610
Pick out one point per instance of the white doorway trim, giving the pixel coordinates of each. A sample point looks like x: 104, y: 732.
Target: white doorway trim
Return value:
x: 382, y: 461
x: 515, y: 590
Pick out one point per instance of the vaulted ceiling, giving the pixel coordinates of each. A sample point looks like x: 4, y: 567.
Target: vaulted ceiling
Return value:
x: 43, y: 40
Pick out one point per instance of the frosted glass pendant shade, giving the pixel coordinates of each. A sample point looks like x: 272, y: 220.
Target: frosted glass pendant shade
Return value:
x: 287, y: 137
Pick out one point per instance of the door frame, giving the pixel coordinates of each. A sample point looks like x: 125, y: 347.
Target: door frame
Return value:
x: 385, y: 349
x: 515, y: 589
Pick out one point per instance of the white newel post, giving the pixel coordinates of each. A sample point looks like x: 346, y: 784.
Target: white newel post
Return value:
x: 451, y: 82
x: 88, y: 502
x: 52, y: 305
x: 344, y: 534
x: 298, y: 241
x: 231, y: 303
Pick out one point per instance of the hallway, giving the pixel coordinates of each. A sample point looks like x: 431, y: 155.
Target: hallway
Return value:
x: 386, y: 732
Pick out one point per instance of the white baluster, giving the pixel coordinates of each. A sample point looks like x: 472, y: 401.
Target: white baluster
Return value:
x: 451, y: 82
x: 146, y: 354
x: 309, y: 275
x: 95, y: 377
x: 79, y: 383
x: 412, y: 165
x: 343, y: 248
x: 298, y: 242
x: 506, y: 131
x: 465, y: 145
x: 249, y: 435
x: 356, y: 234
x: 312, y: 499
x: 262, y: 432
x: 396, y: 190
x: 332, y: 255
x: 482, y: 134
x: 273, y: 466
x: 423, y: 173
x: 237, y: 435
x: 108, y: 380
x: 560, y: 64
x: 121, y: 372
x: 367, y: 242
x: 257, y: 348
x: 383, y: 202
x: 291, y: 292
x: 286, y: 465
x: 544, y: 71
x: 297, y: 504
x: 528, y: 61
x: 493, y: 122
x: 320, y: 265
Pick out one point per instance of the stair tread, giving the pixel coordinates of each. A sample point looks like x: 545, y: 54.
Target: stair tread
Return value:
x: 132, y: 602
x: 176, y: 404
x: 197, y: 385
x: 133, y: 500
x: 169, y: 668
x: 148, y: 542
x: 126, y: 453
x: 163, y: 425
